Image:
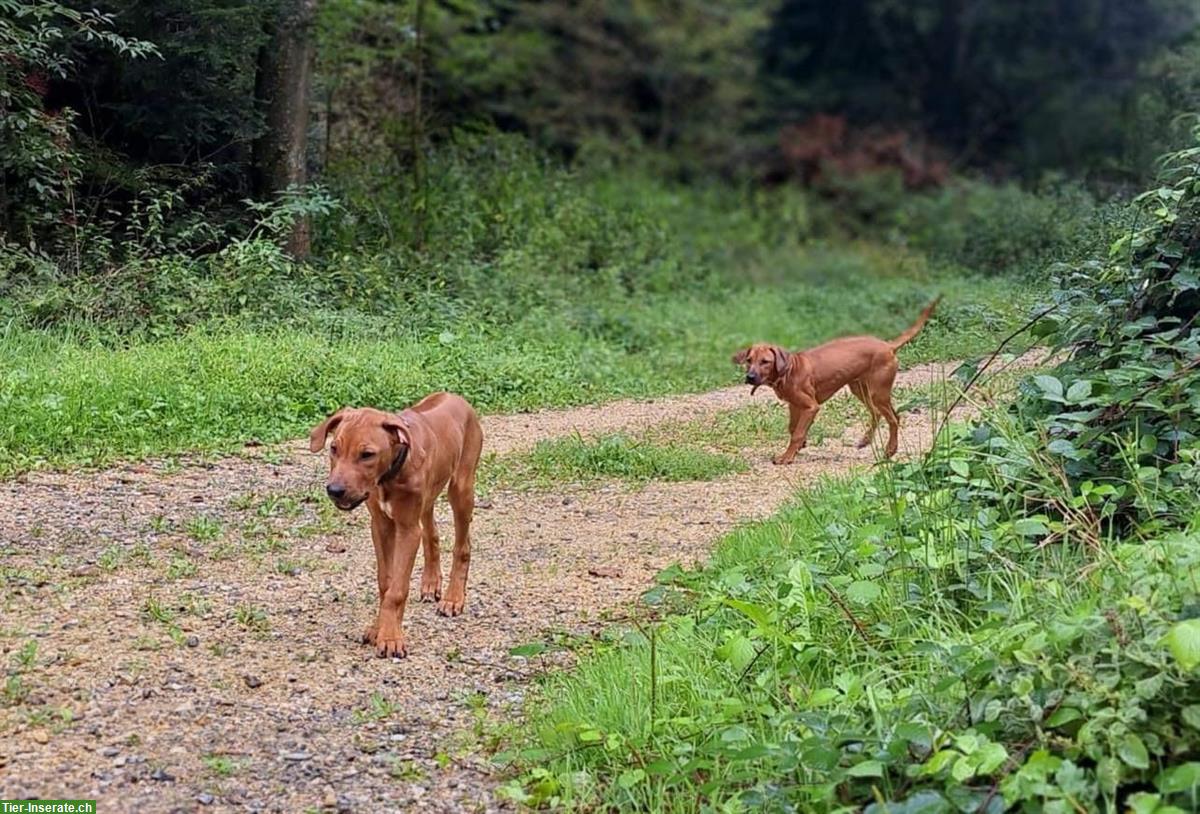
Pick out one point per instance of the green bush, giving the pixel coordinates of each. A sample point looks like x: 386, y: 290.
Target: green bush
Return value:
x: 984, y: 227
x: 889, y: 646
x: 503, y: 229
x: 1121, y: 415
x: 994, y: 228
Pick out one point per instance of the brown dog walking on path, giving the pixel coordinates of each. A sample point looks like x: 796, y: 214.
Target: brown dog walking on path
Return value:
x: 807, y: 379
x: 399, y: 463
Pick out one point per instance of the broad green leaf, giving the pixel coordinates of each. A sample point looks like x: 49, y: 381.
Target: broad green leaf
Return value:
x: 868, y: 768
x: 1063, y: 447
x: 755, y: 613
x: 590, y: 736
x: 1063, y: 715
x: 630, y: 778
x: 1183, y: 777
x: 1191, y: 716
x: 1079, y: 390
x: 1133, y: 752
x: 960, y: 467
x: 939, y: 761
x: 1184, y: 642
x: 963, y: 770
x: 1051, y: 387
x: 738, y: 651
x: 1030, y: 527
x: 990, y: 758
x: 1143, y: 803
x: 863, y: 592
x: 823, y: 696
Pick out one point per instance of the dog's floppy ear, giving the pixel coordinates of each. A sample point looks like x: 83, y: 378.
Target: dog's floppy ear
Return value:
x: 398, y: 430
x: 781, y: 360
x: 742, y: 356
x: 316, y: 438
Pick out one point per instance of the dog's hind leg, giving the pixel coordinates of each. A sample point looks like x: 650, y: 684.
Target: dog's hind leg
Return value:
x: 860, y: 392
x: 431, y: 573
x: 878, y: 386
x: 462, y: 504
x: 893, y: 420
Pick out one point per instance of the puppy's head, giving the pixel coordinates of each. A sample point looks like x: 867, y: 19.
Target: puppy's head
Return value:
x: 366, y: 447
x: 765, y: 364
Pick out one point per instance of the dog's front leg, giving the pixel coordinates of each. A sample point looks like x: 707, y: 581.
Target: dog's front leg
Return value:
x: 802, y: 414
x: 383, y: 532
x: 389, y: 639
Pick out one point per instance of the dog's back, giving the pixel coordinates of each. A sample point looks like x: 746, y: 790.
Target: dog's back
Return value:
x: 452, y: 416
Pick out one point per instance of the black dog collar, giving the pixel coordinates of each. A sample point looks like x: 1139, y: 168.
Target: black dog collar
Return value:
x: 394, y: 467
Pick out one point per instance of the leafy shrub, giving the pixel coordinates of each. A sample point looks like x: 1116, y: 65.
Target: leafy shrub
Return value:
x: 997, y: 228
x: 888, y: 646
x: 991, y: 228
x: 157, y: 275
x: 505, y: 230
x: 1122, y: 412
x: 39, y: 161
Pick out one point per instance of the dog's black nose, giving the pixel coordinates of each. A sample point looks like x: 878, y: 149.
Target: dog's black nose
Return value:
x: 334, y: 491
x: 750, y: 379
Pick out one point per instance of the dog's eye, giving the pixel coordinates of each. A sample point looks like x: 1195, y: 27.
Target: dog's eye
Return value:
x: 366, y: 454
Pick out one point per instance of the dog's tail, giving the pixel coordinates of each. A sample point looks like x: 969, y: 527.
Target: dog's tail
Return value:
x: 906, y: 337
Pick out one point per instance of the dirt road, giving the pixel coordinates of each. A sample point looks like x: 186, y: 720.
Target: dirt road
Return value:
x: 183, y: 637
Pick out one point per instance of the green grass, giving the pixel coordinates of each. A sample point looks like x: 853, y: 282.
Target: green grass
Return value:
x: 762, y: 422
x: 576, y: 459
x: 72, y: 400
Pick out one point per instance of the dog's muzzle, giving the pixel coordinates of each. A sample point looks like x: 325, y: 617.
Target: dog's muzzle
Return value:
x: 753, y: 380
x: 349, y: 505
x: 340, y: 499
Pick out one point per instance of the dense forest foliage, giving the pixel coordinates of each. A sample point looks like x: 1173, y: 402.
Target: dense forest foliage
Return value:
x: 152, y: 124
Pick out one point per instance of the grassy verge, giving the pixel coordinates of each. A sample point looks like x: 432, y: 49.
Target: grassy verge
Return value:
x: 893, y: 643
x: 576, y: 459
x: 71, y: 400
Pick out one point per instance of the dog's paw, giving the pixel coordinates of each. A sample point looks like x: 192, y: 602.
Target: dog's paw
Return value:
x: 370, y: 634
x: 390, y: 646
x: 431, y: 589
x: 782, y: 460
x: 452, y: 605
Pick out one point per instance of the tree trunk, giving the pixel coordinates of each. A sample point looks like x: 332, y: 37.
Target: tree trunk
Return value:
x: 282, y: 88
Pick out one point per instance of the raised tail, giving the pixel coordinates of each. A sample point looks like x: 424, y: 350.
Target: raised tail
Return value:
x: 906, y: 337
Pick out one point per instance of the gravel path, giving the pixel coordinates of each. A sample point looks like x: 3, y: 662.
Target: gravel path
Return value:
x: 183, y: 637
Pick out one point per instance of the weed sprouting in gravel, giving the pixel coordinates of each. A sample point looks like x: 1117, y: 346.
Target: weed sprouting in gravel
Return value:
x: 378, y: 708
x: 203, y: 528
x: 252, y: 618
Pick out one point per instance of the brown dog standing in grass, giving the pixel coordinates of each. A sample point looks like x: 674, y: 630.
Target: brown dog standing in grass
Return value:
x: 399, y: 464
x: 807, y: 379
